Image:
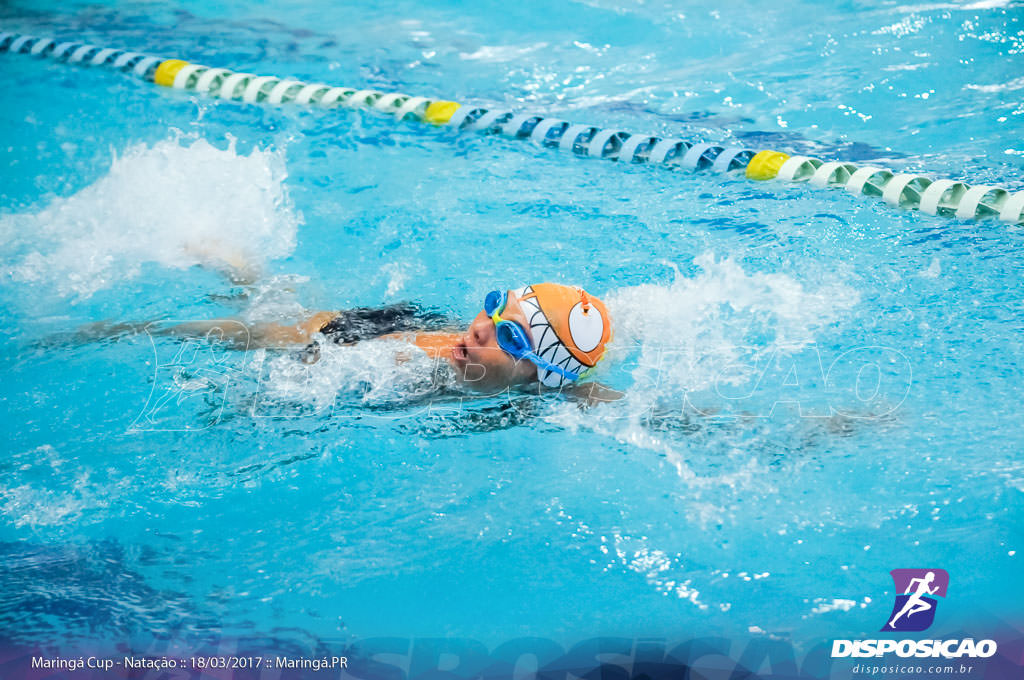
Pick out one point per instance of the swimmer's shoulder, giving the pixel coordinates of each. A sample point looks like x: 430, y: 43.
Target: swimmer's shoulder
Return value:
x: 434, y: 343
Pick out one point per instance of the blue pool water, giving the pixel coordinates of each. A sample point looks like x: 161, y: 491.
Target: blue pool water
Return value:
x: 819, y: 388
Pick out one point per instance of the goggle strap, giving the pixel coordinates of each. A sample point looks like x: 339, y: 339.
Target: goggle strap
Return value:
x: 548, y: 366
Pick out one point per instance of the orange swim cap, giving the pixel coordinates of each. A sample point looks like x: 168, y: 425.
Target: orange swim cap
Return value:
x: 569, y: 328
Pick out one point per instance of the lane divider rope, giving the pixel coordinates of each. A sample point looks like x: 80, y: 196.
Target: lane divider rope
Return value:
x: 900, y: 190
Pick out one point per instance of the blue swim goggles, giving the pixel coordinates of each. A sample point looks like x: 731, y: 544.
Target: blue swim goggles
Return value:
x: 512, y: 337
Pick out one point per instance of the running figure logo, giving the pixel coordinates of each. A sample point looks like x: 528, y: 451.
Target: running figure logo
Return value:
x: 914, y: 610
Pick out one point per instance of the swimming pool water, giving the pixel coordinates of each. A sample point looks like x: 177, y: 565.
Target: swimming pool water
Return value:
x: 819, y: 388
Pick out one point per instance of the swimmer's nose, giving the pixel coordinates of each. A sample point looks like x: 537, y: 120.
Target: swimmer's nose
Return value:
x: 480, y: 333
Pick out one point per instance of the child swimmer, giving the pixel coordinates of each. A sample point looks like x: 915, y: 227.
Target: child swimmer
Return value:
x: 546, y: 333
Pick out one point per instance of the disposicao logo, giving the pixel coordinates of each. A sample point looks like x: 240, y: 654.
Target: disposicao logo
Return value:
x: 912, y: 612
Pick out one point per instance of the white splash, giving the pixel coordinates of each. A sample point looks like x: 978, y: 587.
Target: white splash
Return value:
x: 177, y: 203
x: 691, y: 329
x: 367, y: 374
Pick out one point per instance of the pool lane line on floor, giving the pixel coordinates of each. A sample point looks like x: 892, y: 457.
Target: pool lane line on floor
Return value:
x: 900, y: 190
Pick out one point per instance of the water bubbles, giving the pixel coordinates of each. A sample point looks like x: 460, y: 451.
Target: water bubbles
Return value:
x: 178, y: 203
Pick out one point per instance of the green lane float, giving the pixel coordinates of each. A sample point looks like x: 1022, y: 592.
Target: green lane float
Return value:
x: 900, y: 190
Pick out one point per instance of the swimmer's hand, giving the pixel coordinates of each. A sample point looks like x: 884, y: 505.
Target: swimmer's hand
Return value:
x: 229, y: 261
x: 593, y: 393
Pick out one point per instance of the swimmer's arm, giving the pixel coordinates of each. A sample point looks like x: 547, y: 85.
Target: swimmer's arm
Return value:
x: 279, y: 335
x: 233, y: 331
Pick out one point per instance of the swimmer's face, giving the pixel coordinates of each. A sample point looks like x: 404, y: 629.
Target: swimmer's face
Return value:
x: 481, y: 363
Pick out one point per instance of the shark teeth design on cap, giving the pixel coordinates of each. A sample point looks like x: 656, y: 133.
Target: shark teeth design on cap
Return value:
x: 546, y: 343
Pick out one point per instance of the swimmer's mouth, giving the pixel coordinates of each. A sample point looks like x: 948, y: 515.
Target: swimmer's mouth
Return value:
x: 459, y: 352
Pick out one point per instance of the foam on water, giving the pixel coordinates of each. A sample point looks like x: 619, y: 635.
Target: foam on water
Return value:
x: 694, y: 328
x: 375, y: 373
x: 52, y: 491
x: 179, y: 202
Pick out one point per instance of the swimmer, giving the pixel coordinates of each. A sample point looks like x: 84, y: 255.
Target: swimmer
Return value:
x: 547, y: 334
